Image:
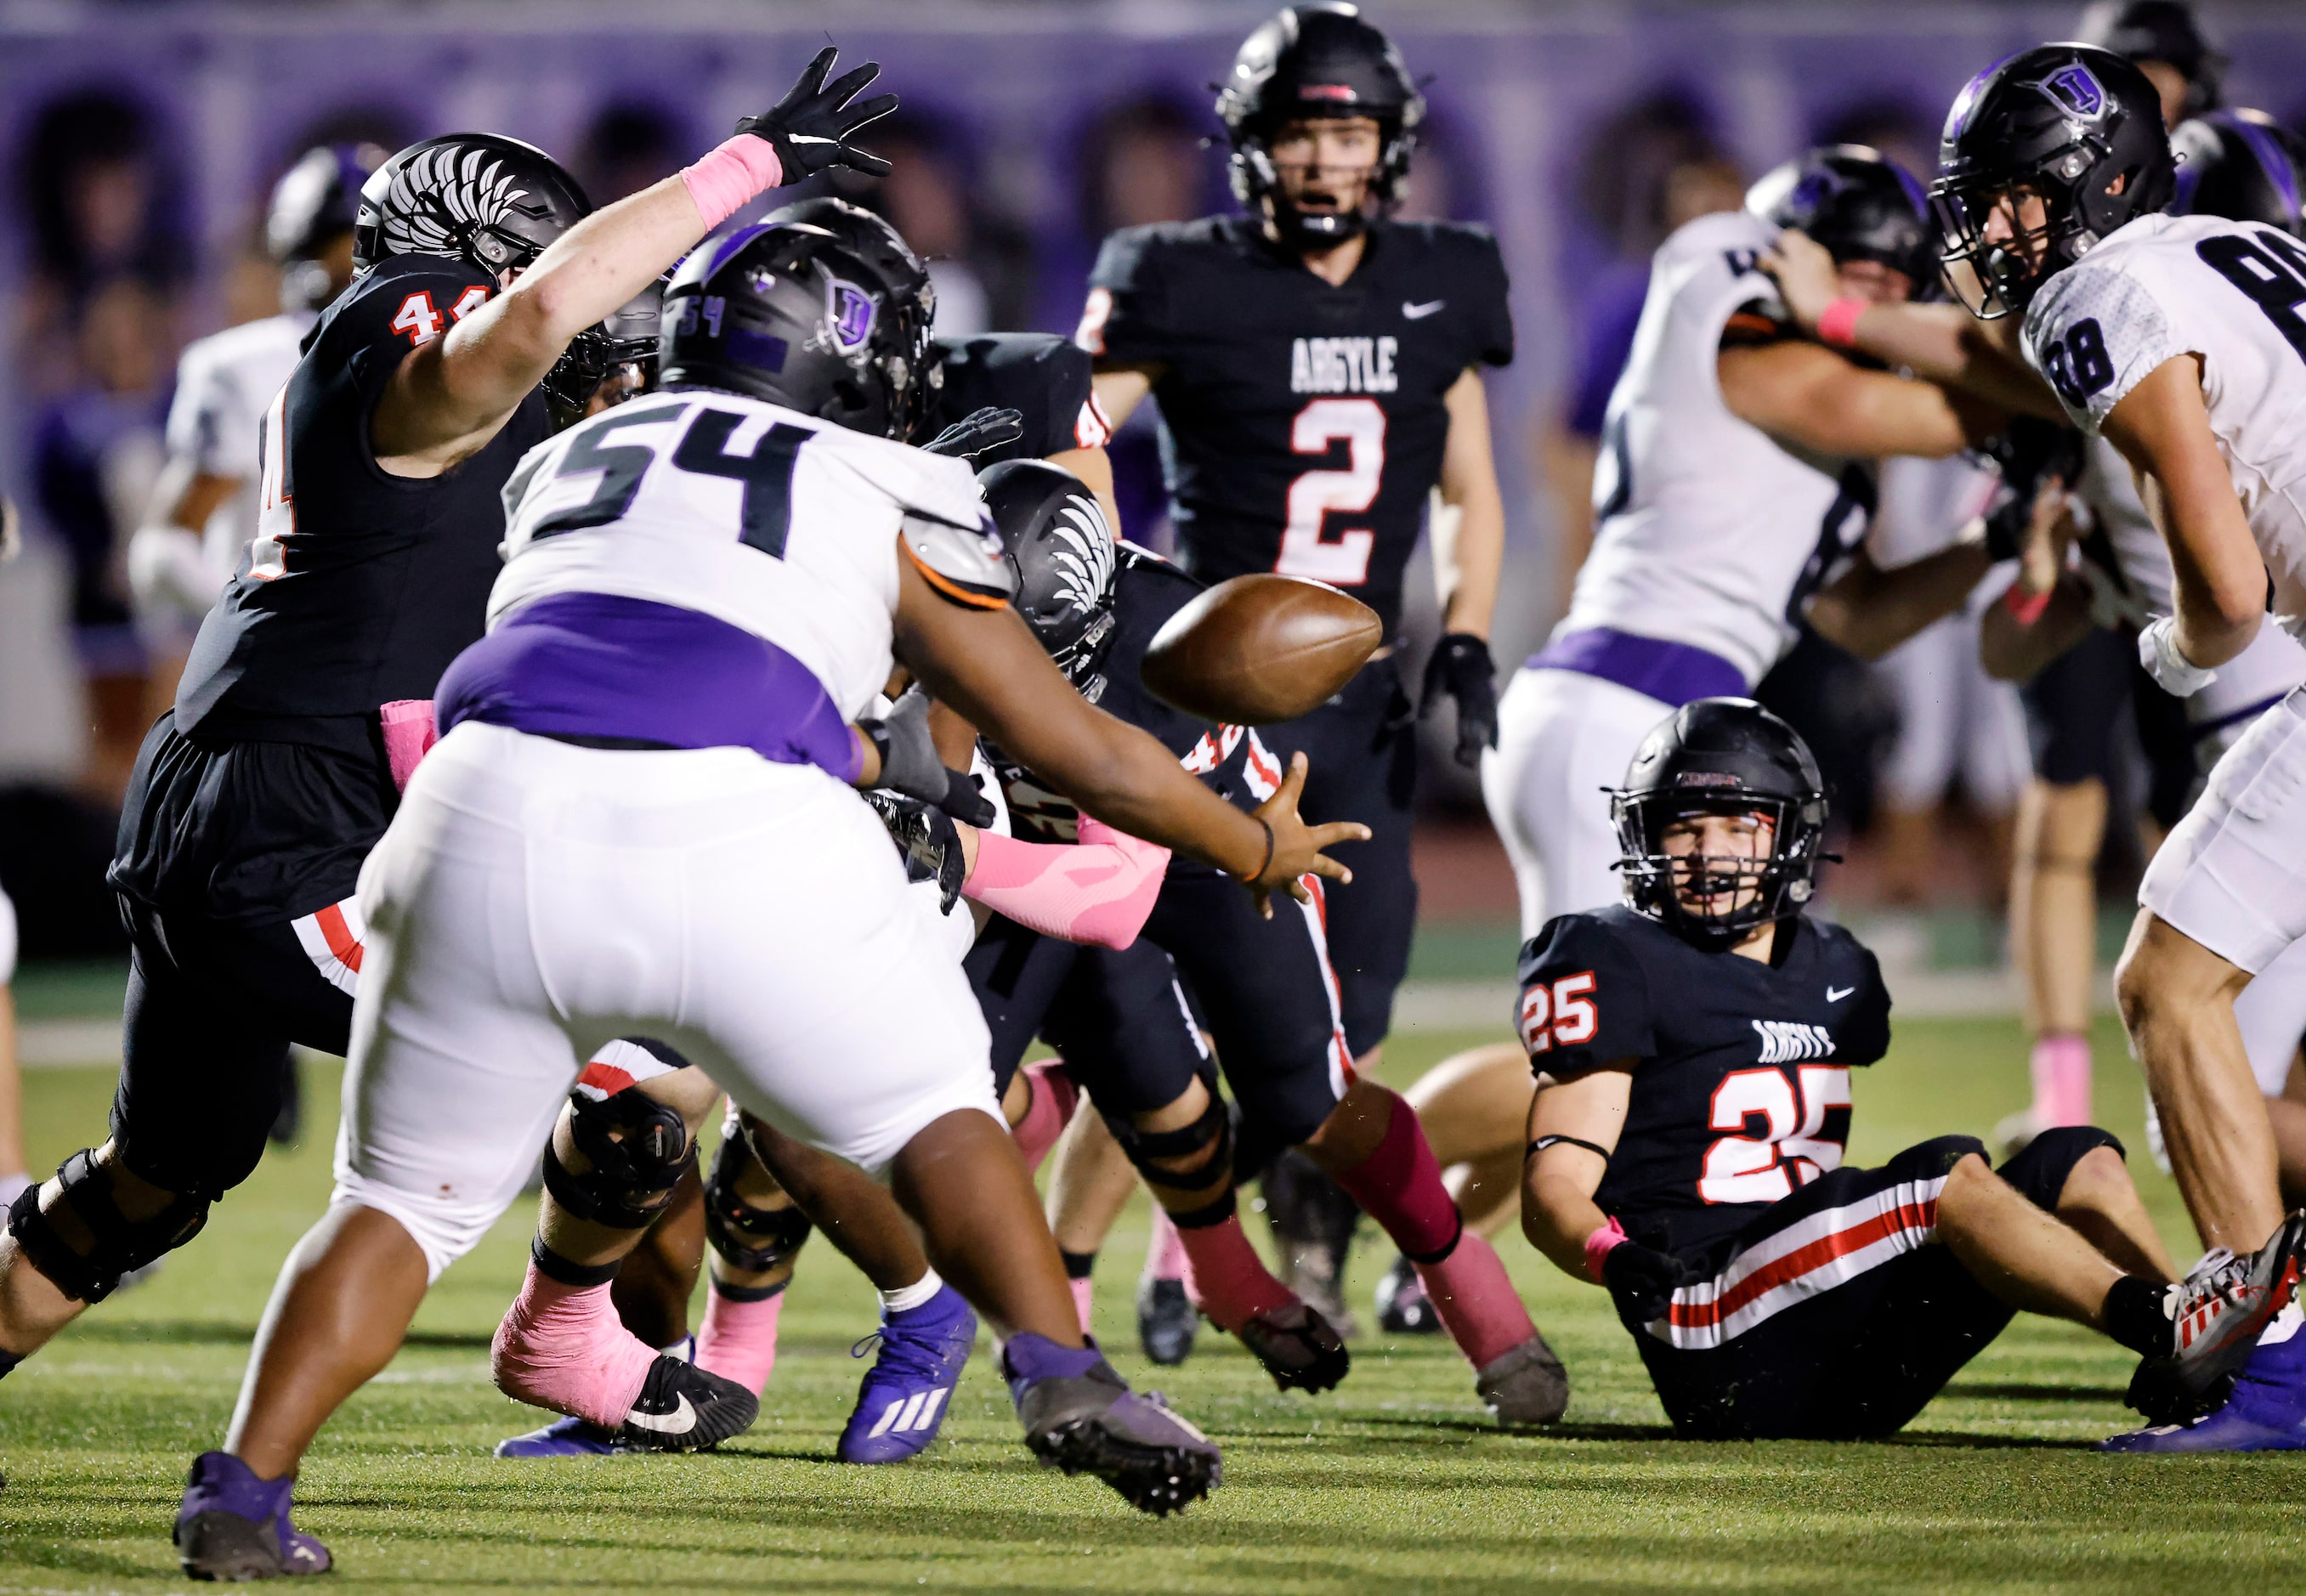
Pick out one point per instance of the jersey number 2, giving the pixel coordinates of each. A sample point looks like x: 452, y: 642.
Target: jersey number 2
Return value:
x: 1792, y: 1149
x: 1315, y: 494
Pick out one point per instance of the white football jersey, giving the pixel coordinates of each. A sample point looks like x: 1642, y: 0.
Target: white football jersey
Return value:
x: 225, y: 383
x: 2228, y: 291
x: 1707, y: 531
x: 760, y: 517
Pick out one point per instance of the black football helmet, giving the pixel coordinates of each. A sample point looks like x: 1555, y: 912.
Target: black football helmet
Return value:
x: 1055, y: 536
x: 2166, y: 30
x: 870, y: 236
x: 2240, y: 164
x: 1311, y: 62
x: 314, y: 204
x: 803, y: 316
x: 1858, y: 203
x: 2078, y: 127
x: 1719, y: 756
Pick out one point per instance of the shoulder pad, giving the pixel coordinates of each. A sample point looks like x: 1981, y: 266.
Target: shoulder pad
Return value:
x: 964, y: 564
x: 1585, y: 996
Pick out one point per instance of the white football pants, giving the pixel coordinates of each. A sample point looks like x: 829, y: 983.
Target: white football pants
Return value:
x: 534, y: 901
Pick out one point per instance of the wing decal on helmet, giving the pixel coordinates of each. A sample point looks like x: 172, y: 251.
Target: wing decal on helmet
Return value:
x: 442, y: 193
x: 1084, y: 566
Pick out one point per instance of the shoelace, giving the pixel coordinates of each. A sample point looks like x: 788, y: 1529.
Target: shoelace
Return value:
x: 907, y: 1351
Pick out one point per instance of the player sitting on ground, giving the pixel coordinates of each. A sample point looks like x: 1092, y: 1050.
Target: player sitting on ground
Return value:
x: 1693, y: 1047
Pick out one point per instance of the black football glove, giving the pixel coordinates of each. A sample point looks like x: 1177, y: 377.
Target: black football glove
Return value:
x: 926, y: 842
x: 1643, y: 1278
x: 1461, y: 667
x: 811, y: 128
x: 2030, y: 453
x: 978, y: 430
x: 909, y: 763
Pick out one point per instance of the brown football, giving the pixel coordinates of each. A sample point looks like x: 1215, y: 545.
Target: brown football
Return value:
x: 1260, y: 649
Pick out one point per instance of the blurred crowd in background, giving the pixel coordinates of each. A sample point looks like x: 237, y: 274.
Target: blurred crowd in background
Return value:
x: 140, y: 143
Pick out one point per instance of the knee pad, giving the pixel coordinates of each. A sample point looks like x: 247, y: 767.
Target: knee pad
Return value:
x: 638, y: 1147
x: 117, y: 1244
x: 1158, y: 1154
x: 754, y: 1240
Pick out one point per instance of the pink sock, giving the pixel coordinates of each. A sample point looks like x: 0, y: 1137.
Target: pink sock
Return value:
x: 738, y: 1339
x: 1084, y: 1296
x: 1053, y: 1097
x: 2061, y: 1079
x: 1165, y: 1259
x: 1476, y: 1301
x: 1399, y: 1186
x: 562, y: 1347
x: 1225, y: 1278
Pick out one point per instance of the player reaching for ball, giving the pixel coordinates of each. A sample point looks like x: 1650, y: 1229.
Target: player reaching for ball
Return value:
x: 1693, y: 1047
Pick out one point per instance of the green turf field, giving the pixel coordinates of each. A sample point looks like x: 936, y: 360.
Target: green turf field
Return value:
x: 1395, y: 1482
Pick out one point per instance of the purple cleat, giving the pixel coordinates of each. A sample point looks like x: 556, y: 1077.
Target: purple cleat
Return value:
x: 234, y: 1526
x: 2266, y: 1413
x: 563, y: 1438
x: 1081, y: 1417
x: 901, y: 1404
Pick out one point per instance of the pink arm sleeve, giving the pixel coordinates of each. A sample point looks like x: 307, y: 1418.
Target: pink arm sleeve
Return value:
x: 1099, y: 891
x: 409, y: 732
x: 726, y: 179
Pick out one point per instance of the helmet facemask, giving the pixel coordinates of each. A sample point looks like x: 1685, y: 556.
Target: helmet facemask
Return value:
x: 1716, y: 900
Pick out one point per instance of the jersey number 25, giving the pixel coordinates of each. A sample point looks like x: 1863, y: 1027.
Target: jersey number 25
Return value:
x: 1791, y: 1150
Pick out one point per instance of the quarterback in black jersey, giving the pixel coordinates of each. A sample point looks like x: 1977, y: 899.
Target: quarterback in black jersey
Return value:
x: 1693, y: 1048
x: 1317, y: 367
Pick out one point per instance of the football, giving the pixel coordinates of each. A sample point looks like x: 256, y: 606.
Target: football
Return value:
x: 1260, y: 648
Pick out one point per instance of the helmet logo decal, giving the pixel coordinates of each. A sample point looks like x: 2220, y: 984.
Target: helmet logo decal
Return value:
x: 2077, y: 89
x: 1705, y: 778
x: 1336, y: 91
x: 443, y: 189
x: 1084, y: 566
x: 851, y: 309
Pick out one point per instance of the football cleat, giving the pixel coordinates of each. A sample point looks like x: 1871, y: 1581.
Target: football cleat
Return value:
x: 2217, y: 1314
x: 233, y: 1526
x: 1403, y: 1307
x: 1081, y: 1417
x: 1167, y: 1322
x: 564, y: 1437
x: 1313, y: 1223
x: 2266, y: 1411
x: 1525, y: 1385
x: 902, y: 1402
x: 1297, y: 1348
x: 682, y: 1408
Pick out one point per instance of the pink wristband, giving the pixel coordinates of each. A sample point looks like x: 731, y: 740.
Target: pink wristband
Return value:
x: 1599, y: 1246
x: 1839, y: 325
x: 724, y: 180
x: 2026, y: 606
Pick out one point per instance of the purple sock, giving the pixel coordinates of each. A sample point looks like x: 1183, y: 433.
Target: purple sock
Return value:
x: 1027, y: 1358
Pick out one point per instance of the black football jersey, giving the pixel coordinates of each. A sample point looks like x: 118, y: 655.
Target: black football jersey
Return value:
x: 360, y: 587
x: 1741, y: 1084
x: 1232, y: 760
x: 1044, y: 378
x: 1302, y: 423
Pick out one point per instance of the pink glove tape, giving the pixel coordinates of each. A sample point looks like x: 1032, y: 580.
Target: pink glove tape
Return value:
x: 1098, y: 891
x: 409, y: 732
x: 724, y: 180
x: 1599, y: 1246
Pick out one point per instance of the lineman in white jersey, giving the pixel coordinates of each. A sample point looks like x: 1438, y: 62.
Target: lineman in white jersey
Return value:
x: 1737, y: 486
x: 2178, y: 340
x: 204, y: 508
x: 639, y: 822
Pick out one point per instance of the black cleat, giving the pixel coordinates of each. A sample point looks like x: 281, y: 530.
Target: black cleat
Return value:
x: 1313, y: 1222
x: 1297, y: 1348
x: 1081, y: 1417
x: 1403, y: 1307
x: 1167, y: 1322
x: 683, y: 1408
x: 2216, y: 1315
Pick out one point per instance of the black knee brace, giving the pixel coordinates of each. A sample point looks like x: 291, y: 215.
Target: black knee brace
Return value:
x: 639, y: 1148
x: 117, y: 1243
x: 754, y: 1240
x: 1211, y: 1136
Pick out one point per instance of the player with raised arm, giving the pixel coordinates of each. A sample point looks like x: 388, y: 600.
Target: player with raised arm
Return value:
x: 2177, y: 339
x: 646, y: 765
x: 1737, y: 487
x: 1693, y: 1047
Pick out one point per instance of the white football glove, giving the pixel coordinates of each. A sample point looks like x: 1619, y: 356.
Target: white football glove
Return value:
x: 2157, y: 650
